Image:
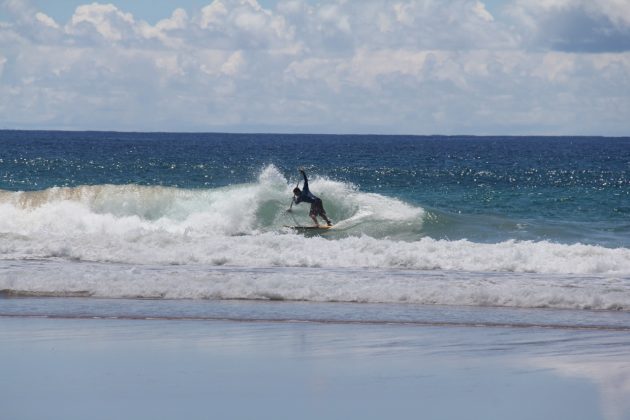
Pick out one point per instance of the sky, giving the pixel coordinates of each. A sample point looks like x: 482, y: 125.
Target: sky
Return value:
x: 495, y: 67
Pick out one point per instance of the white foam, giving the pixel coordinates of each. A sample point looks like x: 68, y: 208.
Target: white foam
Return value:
x: 315, y: 284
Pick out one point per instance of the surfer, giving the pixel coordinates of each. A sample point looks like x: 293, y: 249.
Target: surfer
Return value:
x: 317, y: 207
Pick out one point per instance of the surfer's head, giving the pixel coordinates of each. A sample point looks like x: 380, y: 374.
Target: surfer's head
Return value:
x: 297, y: 191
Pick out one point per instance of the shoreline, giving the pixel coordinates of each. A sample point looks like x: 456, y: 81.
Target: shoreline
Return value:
x: 444, y: 324
x: 313, y: 312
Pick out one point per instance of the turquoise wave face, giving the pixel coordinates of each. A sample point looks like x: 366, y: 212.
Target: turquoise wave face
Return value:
x: 566, y: 190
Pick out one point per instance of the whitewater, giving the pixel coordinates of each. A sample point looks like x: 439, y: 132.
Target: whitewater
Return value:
x: 139, y: 241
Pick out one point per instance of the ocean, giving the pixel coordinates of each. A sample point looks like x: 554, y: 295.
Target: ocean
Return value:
x: 151, y: 276
x: 432, y: 228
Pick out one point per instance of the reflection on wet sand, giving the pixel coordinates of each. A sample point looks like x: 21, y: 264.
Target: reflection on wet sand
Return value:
x: 611, y: 375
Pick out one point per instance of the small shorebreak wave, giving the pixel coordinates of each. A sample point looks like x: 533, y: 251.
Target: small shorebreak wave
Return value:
x: 202, y: 282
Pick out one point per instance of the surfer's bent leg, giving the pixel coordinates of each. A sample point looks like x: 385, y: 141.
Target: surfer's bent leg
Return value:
x: 317, y: 209
x: 314, y: 212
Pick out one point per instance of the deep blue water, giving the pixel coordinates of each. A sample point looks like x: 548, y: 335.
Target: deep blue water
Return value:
x: 564, y: 189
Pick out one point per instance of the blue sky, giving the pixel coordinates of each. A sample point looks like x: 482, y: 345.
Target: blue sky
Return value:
x: 341, y: 66
x: 149, y: 10
x: 154, y: 10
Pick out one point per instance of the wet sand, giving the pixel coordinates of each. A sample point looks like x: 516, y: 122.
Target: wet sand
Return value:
x: 208, y: 369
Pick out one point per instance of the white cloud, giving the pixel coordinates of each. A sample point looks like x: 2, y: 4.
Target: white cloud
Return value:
x: 480, y: 10
x: 243, y: 24
x: 213, y: 15
x: 556, y: 67
x: 167, y: 30
x: 332, y: 15
x: 170, y: 65
x: 233, y: 64
x: 105, y: 19
x: 46, y: 20
x: 20, y: 9
x: 209, y: 62
x: 415, y: 66
x: 403, y: 13
x: 291, y: 7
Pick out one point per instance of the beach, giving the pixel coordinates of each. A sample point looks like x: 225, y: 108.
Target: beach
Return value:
x: 78, y: 364
x: 152, y: 276
x: 315, y: 210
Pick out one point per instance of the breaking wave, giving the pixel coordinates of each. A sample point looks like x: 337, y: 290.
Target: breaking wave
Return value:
x: 243, y: 225
x: 231, y: 243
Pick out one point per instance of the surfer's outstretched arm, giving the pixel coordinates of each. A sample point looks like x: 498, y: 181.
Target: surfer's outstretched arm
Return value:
x: 305, y: 187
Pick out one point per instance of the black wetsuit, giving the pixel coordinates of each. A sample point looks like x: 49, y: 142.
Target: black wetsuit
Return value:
x: 317, y: 207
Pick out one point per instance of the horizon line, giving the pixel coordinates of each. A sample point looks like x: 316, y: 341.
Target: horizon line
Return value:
x: 313, y: 134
